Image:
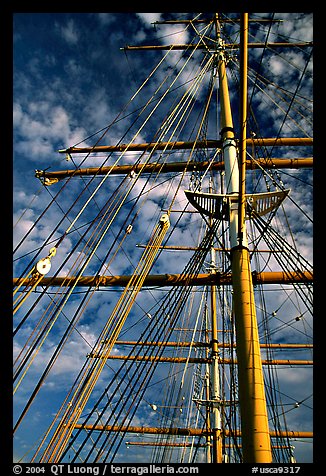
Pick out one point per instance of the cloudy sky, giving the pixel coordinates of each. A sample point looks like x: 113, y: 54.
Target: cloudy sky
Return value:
x: 71, y: 80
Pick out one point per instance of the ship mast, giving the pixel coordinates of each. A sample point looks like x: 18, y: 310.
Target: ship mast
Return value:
x: 215, y: 419
x: 254, y: 422
x: 214, y: 380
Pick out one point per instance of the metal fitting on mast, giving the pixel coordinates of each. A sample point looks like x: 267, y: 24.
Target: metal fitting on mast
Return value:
x: 43, y: 266
x: 164, y: 220
x: 40, y: 174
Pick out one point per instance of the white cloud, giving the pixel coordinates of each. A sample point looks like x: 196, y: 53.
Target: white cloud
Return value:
x: 149, y: 18
x: 277, y: 66
x: 174, y: 34
x: 69, y: 32
x: 41, y: 129
x: 105, y: 18
x: 300, y: 28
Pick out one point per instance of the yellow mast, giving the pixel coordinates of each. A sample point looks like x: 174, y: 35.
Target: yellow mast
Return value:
x: 254, y: 421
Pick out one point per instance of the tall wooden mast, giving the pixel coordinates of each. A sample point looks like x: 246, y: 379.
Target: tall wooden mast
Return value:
x: 254, y: 422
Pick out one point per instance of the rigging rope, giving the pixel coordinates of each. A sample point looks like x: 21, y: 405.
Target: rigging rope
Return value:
x: 112, y: 329
x: 174, y: 298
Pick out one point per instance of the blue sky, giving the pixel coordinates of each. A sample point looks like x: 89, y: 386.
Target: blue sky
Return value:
x: 71, y: 79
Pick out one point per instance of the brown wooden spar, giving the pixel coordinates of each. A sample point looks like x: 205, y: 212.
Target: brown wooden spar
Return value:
x: 195, y: 360
x: 206, y: 344
x: 209, y: 20
x: 219, y: 279
x: 192, y: 46
x: 165, y: 443
x: 166, y: 167
x: 185, y: 145
x: 186, y: 431
x: 186, y: 445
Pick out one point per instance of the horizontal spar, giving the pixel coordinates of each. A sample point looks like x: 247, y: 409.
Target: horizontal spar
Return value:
x: 218, y: 279
x: 207, y: 344
x: 176, y: 167
x: 192, y: 46
x: 187, y: 431
x: 184, y: 145
x: 166, y: 444
x: 195, y: 360
x: 210, y: 20
x: 187, y: 445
